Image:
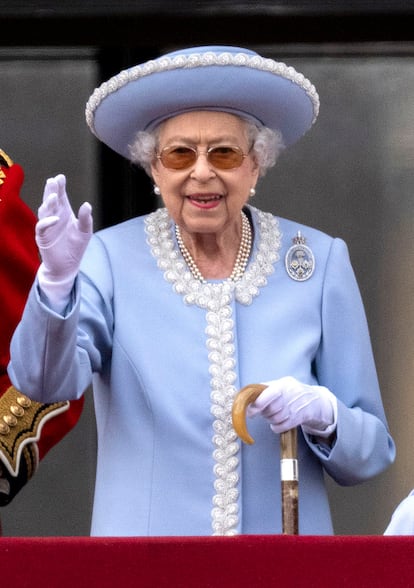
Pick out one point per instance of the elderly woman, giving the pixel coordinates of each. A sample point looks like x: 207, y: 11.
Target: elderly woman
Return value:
x: 170, y: 314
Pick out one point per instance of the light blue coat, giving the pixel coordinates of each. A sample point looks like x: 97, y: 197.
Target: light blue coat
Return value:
x: 167, y: 354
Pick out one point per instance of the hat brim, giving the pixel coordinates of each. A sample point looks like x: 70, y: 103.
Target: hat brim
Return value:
x: 243, y: 83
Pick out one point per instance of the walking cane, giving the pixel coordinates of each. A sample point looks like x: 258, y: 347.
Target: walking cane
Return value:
x: 288, y: 456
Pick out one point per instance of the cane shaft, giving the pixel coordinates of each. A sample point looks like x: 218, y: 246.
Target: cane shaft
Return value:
x: 289, y: 482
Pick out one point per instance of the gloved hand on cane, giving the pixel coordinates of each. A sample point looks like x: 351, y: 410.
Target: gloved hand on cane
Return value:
x: 62, y: 239
x: 287, y: 403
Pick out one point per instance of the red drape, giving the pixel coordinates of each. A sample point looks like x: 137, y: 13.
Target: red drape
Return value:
x: 212, y: 562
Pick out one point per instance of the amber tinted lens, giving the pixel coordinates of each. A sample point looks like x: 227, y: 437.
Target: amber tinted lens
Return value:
x: 225, y: 157
x: 178, y: 157
x: 220, y: 157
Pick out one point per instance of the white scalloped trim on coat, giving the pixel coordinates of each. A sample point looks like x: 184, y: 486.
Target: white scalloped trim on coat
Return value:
x: 216, y: 298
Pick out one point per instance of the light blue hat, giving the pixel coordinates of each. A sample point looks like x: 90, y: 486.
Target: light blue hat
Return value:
x: 228, y: 79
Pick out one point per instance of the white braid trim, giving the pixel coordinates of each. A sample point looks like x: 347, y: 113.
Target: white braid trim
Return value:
x: 193, y: 60
x: 216, y: 298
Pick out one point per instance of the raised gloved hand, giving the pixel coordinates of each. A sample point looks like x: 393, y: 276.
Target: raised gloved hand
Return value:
x: 287, y: 403
x: 62, y: 239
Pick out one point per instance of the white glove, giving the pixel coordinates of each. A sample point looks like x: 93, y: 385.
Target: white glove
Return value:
x: 287, y: 403
x: 402, y: 520
x: 62, y: 239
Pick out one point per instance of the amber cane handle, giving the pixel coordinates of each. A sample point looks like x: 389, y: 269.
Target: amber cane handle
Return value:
x: 288, y: 456
x: 243, y: 398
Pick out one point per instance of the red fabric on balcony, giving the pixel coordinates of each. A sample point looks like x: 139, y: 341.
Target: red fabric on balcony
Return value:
x: 212, y: 562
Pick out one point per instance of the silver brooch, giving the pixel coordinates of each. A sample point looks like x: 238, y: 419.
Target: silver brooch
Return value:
x: 299, y: 260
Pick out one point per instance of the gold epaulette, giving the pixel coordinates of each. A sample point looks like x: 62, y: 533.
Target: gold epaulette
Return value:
x: 6, y: 161
x: 21, y: 422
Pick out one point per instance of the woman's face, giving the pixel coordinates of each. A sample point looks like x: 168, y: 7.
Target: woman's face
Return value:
x: 203, y: 198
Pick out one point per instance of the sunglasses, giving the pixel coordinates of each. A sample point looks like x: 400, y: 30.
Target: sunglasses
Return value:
x: 223, y: 157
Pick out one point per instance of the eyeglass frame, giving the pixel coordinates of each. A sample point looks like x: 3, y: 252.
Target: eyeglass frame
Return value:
x: 197, y: 153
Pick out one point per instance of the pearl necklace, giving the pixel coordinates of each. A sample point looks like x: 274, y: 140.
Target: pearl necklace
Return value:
x: 242, y: 258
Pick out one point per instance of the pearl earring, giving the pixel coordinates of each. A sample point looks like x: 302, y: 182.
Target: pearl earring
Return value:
x: 157, y: 191
x: 252, y: 192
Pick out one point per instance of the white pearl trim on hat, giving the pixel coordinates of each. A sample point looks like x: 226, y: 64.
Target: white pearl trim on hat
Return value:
x: 193, y: 60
